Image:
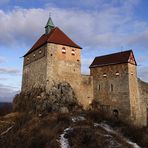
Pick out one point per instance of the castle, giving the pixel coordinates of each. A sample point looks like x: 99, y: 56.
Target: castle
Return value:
x: 112, y: 82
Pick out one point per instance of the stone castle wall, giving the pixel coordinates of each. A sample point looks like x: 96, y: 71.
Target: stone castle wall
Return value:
x: 34, y: 70
x: 86, y: 90
x: 135, y: 101
x: 143, y: 90
x: 111, y: 88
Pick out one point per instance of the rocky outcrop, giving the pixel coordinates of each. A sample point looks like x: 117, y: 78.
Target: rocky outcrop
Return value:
x: 61, y: 98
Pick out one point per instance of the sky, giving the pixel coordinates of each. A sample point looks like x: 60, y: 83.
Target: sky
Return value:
x: 99, y: 26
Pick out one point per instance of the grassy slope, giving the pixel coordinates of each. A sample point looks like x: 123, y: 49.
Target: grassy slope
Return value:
x: 30, y: 131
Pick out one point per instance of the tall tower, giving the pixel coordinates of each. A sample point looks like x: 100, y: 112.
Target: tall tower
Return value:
x: 52, y: 59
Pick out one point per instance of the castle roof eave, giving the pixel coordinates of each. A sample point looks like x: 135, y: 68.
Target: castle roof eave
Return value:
x: 103, y: 65
x: 53, y: 37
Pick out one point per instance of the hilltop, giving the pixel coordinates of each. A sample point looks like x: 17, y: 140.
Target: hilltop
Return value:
x: 80, y: 129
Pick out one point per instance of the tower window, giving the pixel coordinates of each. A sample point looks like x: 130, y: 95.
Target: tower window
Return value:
x: 99, y: 87
x: 117, y: 73
x: 64, y: 50
x: 73, y: 52
x: 111, y: 87
x: 104, y: 75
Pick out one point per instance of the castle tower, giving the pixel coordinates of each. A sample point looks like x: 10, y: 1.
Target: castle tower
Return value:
x: 115, y: 85
x: 52, y: 59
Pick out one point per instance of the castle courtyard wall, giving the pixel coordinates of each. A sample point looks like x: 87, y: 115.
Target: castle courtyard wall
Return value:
x: 86, y: 90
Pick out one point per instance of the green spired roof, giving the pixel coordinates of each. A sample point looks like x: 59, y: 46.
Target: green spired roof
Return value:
x: 49, y: 26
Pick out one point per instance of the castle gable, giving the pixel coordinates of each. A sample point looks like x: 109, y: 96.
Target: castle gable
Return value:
x: 112, y: 59
x: 55, y: 36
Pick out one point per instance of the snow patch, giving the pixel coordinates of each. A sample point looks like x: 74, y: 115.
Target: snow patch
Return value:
x: 64, y: 141
x: 78, y: 118
x: 110, y: 130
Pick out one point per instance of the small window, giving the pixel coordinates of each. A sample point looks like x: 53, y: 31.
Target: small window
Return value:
x: 63, y: 50
x: 132, y: 73
x: 117, y: 73
x: 73, y: 52
x: 99, y: 87
x: 27, y: 59
x: 33, y: 55
x: 104, y: 75
x: 111, y: 87
x: 40, y: 52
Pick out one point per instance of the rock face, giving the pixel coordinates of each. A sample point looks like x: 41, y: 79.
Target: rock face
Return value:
x: 61, y: 98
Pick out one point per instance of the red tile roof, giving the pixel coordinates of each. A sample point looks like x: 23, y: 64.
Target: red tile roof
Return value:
x: 115, y: 58
x: 56, y: 36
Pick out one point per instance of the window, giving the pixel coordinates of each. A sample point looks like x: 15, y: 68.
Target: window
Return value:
x: 33, y: 55
x: 27, y: 59
x: 73, y: 52
x: 117, y: 73
x: 99, y: 87
x: 104, y: 75
x: 111, y: 87
x: 40, y: 51
x: 64, y: 50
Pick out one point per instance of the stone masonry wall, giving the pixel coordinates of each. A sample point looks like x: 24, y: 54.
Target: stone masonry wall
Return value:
x: 111, y: 88
x: 86, y: 90
x: 143, y: 89
x: 34, y: 70
x: 63, y: 67
x: 135, y: 101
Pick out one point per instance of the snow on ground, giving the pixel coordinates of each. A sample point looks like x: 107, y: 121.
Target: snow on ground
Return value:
x: 110, y: 130
x: 63, y: 140
x: 3, y: 133
x: 78, y: 118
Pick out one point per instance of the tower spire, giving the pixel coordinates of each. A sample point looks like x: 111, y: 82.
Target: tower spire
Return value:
x: 49, y: 26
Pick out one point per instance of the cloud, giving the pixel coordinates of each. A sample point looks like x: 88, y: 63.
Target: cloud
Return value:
x: 2, y: 59
x: 11, y: 71
x: 7, y: 93
x: 110, y: 26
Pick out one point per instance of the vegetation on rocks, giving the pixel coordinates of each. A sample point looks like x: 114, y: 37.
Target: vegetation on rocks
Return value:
x: 61, y: 98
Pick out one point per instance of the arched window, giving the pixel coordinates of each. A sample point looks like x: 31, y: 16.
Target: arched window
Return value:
x: 116, y: 113
x: 117, y: 73
x: 104, y: 75
x: 73, y: 52
x: 63, y: 50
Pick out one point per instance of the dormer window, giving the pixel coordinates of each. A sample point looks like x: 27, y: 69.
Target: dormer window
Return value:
x: 104, y: 75
x: 73, y: 52
x: 64, y: 50
x: 40, y: 52
x: 117, y: 73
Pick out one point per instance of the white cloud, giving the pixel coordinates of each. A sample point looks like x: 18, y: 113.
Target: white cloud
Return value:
x: 2, y: 59
x: 7, y: 93
x: 10, y: 71
x: 109, y: 26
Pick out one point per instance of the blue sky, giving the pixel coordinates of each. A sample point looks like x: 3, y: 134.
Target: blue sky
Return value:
x: 98, y: 26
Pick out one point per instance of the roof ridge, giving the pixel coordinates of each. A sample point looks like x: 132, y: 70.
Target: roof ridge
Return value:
x: 130, y: 50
